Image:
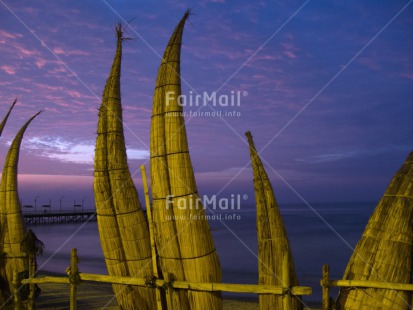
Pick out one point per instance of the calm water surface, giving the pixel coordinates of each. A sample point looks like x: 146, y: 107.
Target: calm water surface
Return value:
x: 322, y: 234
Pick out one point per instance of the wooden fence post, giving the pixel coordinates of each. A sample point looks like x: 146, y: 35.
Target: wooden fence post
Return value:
x: 326, y: 287
x: 74, y: 275
x: 169, y: 291
x: 32, y: 270
x: 16, y: 293
x: 151, y: 235
x: 286, y: 280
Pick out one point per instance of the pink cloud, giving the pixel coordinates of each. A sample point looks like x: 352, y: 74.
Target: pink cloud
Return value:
x: 8, y: 35
x: 9, y: 70
x: 290, y: 54
x: 57, y: 70
x: 261, y: 56
x: 74, y: 94
x: 59, y: 101
x: 31, y: 11
x: 25, y: 52
x: 40, y: 63
x: 289, y: 50
x: 408, y: 75
x: 78, y: 53
x: 58, y: 51
x: 370, y: 62
x: 48, y: 87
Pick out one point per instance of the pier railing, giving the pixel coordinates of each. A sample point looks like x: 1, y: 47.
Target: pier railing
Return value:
x: 54, y: 217
x: 75, y: 277
x: 327, y: 283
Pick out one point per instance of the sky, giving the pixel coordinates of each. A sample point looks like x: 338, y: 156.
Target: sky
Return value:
x: 325, y: 87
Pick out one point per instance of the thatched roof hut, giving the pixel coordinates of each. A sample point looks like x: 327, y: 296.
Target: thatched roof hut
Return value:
x: 384, y: 252
x: 12, y: 222
x: 272, y: 238
x: 122, y: 227
x: 183, y: 238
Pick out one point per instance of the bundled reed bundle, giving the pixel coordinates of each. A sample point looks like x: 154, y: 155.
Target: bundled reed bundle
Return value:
x: 12, y: 222
x: 3, y: 214
x: 183, y: 238
x: 272, y: 238
x: 384, y: 252
x: 132, y: 224
x: 122, y: 238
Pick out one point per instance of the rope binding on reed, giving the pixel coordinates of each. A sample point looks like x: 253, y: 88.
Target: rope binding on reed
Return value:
x: 150, y: 281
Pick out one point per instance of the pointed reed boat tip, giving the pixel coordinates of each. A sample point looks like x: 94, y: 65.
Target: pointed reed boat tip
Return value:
x: 188, y: 13
x: 33, y: 117
x: 14, y: 102
x: 119, y: 31
x: 3, y: 123
x: 249, y: 136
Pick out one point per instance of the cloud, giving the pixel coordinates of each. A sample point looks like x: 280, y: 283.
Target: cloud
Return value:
x: 9, y: 35
x: 408, y: 75
x: 58, y: 51
x: 74, y: 94
x: 224, y: 177
x: 66, y: 52
x: 40, y: 63
x: 351, y: 153
x: 82, y: 152
x: 9, y: 70
x: 323, y: 158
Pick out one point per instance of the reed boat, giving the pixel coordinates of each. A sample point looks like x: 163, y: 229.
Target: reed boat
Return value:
x: 384, y: 252
x: 273, y: 242
x: 185, y: 246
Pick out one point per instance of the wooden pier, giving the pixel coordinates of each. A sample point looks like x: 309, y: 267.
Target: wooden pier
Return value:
x: 57, y: 217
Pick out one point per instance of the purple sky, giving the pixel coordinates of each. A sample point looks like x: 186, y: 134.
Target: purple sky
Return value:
x: 330, y: 88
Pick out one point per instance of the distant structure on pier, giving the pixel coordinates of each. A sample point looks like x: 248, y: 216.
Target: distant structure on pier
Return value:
x: 58, y: 217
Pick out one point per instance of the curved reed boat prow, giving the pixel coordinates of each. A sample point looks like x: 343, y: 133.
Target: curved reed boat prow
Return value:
x: 183, y: 238
x: 273, y: 242
x: 384, y: 252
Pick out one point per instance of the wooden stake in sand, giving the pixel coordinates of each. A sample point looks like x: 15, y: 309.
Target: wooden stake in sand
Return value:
x: 125, y: 241
x: 272, y: 239
x: 152, y: 234
x: 184, y: 241
x: 384, y: 252
x: 12, y: 222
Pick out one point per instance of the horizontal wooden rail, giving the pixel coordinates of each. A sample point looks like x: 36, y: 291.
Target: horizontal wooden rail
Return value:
x: 371, y: 284
x: 210, y: 287
x: 13, y: 255
x: 326, y: 284
x: 42, y: 280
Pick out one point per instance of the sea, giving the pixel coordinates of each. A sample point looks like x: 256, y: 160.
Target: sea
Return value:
x: 319, y: 233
